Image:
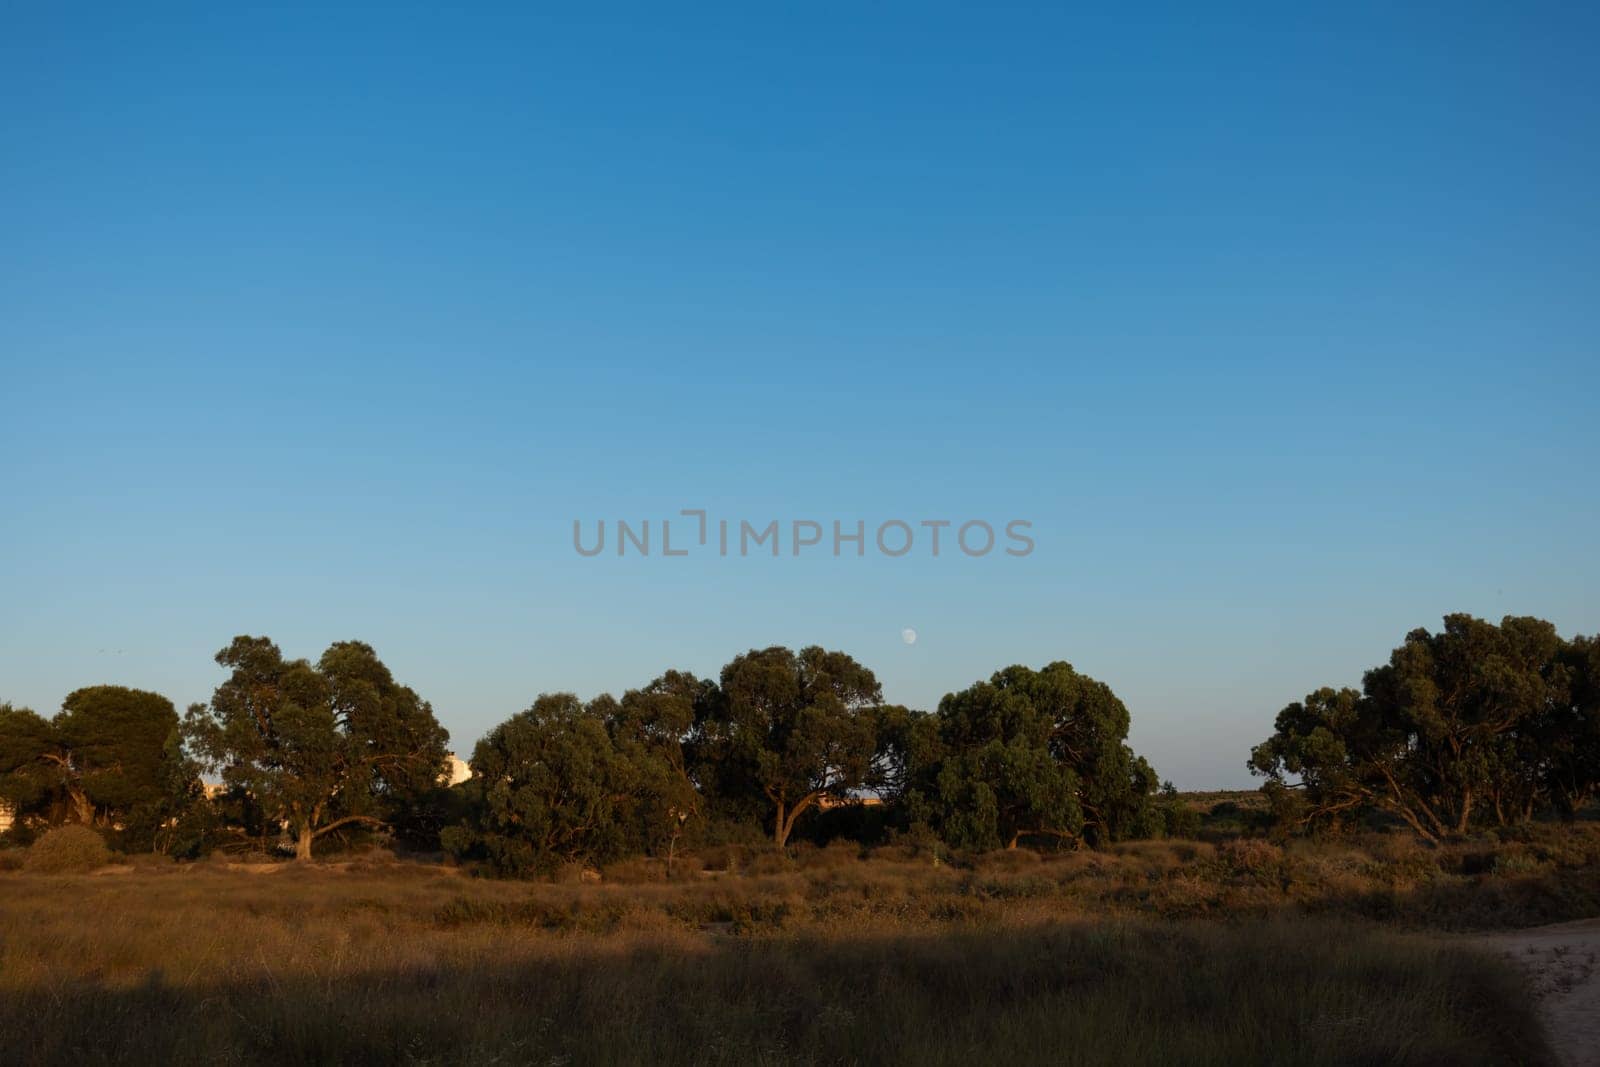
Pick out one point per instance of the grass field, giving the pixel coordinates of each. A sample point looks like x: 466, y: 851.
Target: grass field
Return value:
x: 1175, y: 952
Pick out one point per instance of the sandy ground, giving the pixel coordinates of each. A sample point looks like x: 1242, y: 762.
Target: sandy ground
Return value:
x: 1563, y: 962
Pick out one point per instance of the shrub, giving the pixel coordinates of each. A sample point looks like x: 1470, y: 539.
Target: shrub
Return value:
x: 67, y: 849
x: 1253, y: 859
x: 769, y: 861
x: 727, y: 858
x: 572, y: 872
x: 1398, y: 848
x: 635, y: 871
x: 892, y: 853
x: 1520, y: 862
x: 838, y: 853
x: 1180, y: 820
x: 1006, y: 859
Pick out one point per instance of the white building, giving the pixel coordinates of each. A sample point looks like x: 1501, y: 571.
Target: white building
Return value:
x: 456, y: 770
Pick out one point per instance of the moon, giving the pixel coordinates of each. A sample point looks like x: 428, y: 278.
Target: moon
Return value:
x: 908, y: 635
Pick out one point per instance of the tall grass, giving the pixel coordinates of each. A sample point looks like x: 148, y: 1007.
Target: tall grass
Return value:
x: 843, y: 963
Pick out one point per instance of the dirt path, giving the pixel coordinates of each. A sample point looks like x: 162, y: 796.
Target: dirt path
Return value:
x: 1563, y: 962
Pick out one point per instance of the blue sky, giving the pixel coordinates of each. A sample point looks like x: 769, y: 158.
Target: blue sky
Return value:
x: 1282, y: 329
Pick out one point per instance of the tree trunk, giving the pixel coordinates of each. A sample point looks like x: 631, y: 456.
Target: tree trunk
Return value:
x: 80, y: 805
x: 1416, y: 824
x: 783, y: 826
x: 302, y: 845
x: 1466, y: 812
x: 1575, y: 797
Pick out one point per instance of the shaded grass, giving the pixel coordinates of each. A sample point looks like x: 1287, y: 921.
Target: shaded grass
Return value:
x: 870, y: 962
x: 1120, y: 994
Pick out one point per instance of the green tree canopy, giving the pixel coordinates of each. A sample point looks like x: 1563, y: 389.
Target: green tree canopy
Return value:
x: 103, y: 760
x: 1038, y: 754
x: 553, y: 788
x: 793, y: 728
x: 1570, y: 736
x: 649, y: 728
x: 119, y: 742
x: 1476, y: 723
x: 317, y: 747
x: 36, y: 772
x: 907, y: 742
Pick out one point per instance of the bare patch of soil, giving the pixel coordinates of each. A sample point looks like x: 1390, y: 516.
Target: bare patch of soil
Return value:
x: 1563, y: 963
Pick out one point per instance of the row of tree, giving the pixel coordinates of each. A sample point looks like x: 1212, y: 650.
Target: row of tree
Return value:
x: 300, y: 749
x: 1027, y: 755
x: 1477, y: 725
x: 307, y: 749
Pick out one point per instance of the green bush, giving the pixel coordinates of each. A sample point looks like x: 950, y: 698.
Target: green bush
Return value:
x: 1520, y: 862
x: 1179, y: 819
x: 67, y: 849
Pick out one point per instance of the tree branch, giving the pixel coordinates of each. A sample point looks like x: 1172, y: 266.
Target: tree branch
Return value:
x: 335, y: 824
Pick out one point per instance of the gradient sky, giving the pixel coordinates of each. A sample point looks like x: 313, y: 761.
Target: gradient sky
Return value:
x: 1282, y: 329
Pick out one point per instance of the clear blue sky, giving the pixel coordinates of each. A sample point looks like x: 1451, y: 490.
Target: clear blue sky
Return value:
x: 1282, y: 329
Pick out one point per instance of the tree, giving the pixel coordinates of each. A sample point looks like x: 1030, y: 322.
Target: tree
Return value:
x: 792, y: 728
x: 1088, y: 732
x: 317, y: 747
x: 36, y: 773
x: 1342, y: 757
x: 1040, y: 754
x: 907, y: 745
x: 119, y: 741
x: 553, y: 788
x: 1128, y: 802
x: 1177, y: 818
x: 103, y: 759
x: 999, y: 780
x: 648, y: 729
x: 1475, y: 723
x: 1571, y: 735
x: 183, y: 822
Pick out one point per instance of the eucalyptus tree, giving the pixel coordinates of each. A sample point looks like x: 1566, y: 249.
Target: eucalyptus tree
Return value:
x: 1476, y: 723
x: 551, y: 787
x: 1572, y: 736
x: 1037, y: 755
x: 104, y: 759
x: 651, y: 727
x: 317, y: 746
x: 790, y: 728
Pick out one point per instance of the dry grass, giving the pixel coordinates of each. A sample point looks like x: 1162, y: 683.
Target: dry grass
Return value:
x: 829, y: 959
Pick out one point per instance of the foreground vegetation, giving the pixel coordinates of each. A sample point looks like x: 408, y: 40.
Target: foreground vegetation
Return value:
x: 825, y: 957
